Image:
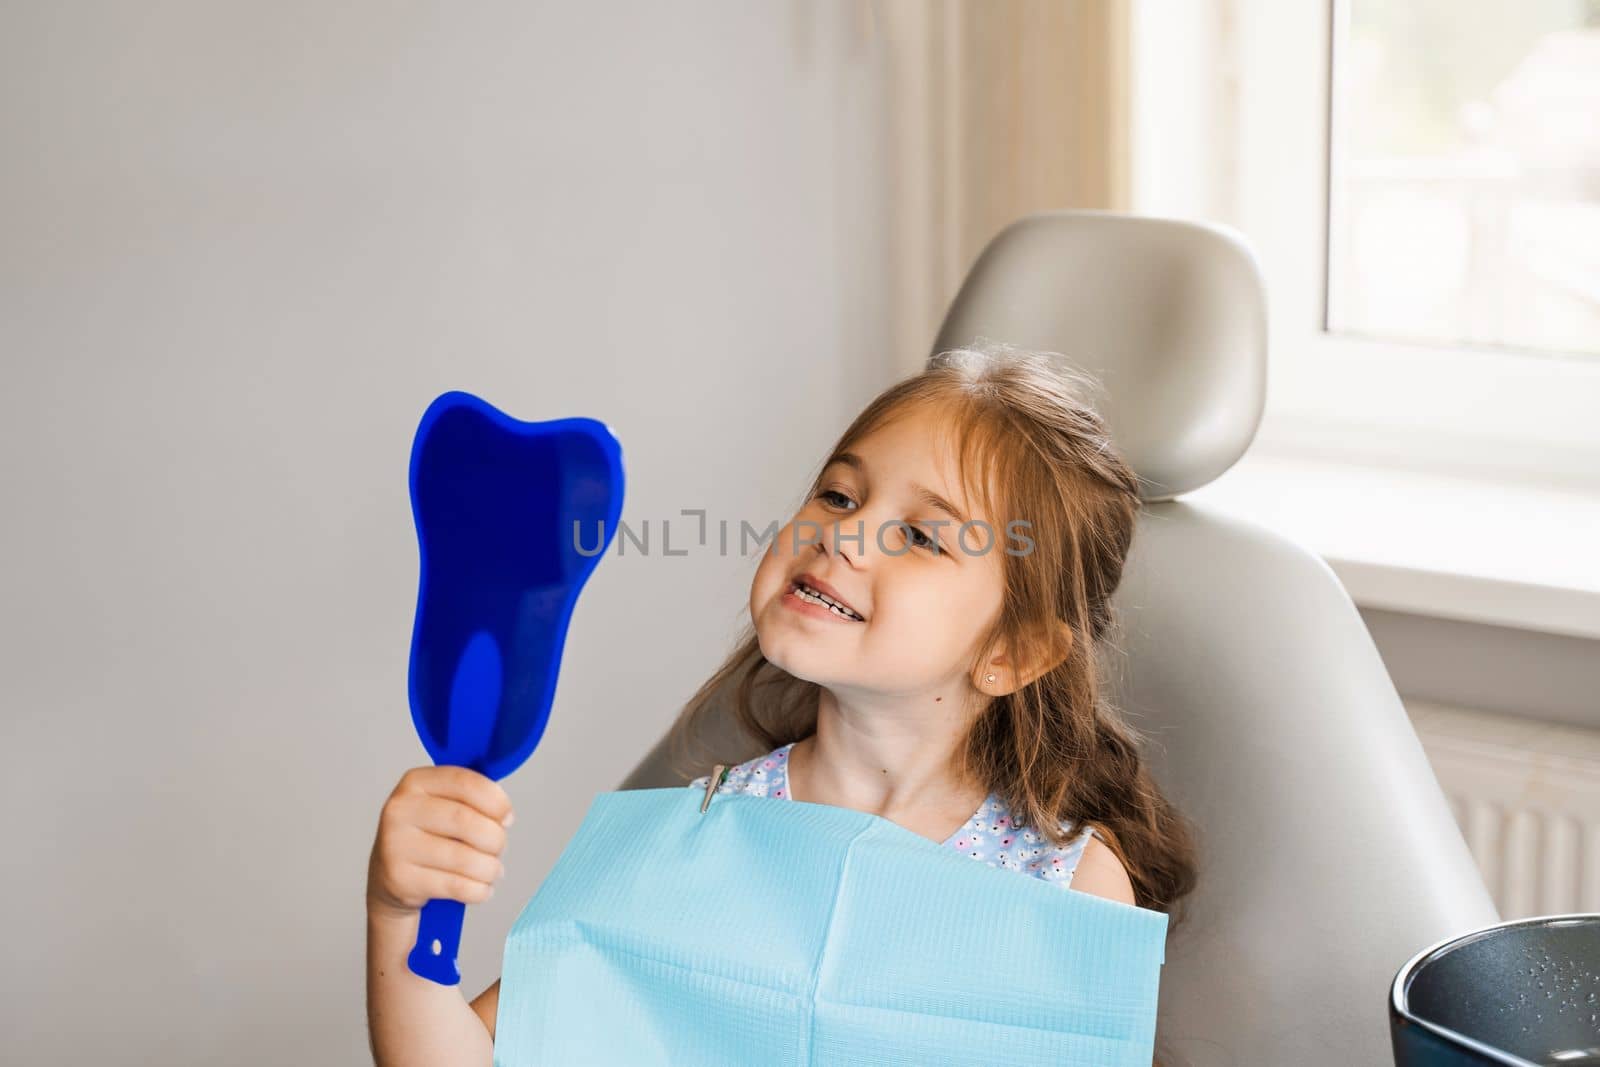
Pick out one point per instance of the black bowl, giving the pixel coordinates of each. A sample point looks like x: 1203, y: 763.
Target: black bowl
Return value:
x: 1524, y: 993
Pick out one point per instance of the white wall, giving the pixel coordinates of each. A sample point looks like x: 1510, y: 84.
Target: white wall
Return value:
x: 241, y: 248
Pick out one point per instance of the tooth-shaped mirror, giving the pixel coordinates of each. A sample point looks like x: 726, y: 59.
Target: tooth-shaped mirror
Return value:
x: 511, y: 518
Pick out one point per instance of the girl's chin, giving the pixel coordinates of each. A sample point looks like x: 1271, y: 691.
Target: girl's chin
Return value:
x: 789, y: 654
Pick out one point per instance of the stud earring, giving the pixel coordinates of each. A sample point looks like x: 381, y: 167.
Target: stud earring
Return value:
x: 989, y: 678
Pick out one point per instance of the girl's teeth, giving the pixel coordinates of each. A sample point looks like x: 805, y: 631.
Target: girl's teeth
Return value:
x: 810, y: 599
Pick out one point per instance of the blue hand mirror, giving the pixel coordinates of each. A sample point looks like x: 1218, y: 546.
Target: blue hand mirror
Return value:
x: 511, y: 519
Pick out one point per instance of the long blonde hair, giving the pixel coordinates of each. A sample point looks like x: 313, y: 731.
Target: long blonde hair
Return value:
x: 1054, y: 750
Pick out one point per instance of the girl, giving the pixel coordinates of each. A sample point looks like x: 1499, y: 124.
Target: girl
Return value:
x: 924, y: 646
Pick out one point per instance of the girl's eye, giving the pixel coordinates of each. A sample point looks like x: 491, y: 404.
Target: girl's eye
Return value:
x: 918, y: 538
x: 834, y: 493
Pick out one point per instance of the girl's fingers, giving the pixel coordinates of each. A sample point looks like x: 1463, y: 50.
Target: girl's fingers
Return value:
x: 444, y: 885
x: 451, y: 818
x: 461, y: 784
x: 452, y: 857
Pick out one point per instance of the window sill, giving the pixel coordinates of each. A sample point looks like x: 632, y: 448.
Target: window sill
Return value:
x: 1431, y: 544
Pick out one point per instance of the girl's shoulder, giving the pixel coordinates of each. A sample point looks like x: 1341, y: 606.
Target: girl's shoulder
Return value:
x: 1102, y: 873
x: 765, y: 775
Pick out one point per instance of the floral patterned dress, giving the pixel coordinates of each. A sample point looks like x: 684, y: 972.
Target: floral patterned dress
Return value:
x: 989, y: 836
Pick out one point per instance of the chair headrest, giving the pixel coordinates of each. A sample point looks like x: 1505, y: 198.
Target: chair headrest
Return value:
x: 1169, y: 316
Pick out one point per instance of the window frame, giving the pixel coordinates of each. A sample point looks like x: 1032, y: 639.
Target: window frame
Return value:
x: 1500, y: 413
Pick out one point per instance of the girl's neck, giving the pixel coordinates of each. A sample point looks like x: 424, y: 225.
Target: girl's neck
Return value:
x: 909, y: 783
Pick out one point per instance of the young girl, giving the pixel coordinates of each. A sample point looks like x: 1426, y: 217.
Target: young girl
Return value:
x: 958, y: 694
x: 924, y: 645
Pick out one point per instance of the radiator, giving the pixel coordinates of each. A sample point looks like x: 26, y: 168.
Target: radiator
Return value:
x: 1527, y: 797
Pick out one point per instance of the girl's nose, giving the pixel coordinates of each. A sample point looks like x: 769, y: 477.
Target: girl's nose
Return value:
x: 863, y: 536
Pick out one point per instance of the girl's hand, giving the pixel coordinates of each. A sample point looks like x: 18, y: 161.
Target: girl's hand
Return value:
x: 440, y: 835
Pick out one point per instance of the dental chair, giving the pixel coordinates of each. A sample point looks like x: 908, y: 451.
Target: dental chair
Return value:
x: 1328, y: 853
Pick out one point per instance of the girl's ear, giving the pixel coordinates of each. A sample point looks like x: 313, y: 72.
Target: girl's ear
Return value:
x: 1006, y: 673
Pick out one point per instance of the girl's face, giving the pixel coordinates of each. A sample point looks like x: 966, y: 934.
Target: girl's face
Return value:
x: 922, y: 612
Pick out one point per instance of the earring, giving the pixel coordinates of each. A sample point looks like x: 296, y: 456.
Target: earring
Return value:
x: 989, y: 678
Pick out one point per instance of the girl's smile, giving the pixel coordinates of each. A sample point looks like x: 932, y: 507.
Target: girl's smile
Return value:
x: 809, y: 596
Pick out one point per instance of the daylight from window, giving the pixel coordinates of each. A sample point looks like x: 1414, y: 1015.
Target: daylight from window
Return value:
x: 1465, y: 178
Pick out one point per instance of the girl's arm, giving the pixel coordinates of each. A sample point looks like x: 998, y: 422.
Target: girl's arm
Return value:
x: 487, y: 1004
x: 414, y: 1022
x: 440, y: 836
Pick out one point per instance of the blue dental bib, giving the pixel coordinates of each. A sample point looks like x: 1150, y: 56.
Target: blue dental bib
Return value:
x: 807, y: 935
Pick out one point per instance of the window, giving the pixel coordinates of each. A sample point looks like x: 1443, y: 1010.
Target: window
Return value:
x: 1465, y: 166
x: 1420, y: 180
